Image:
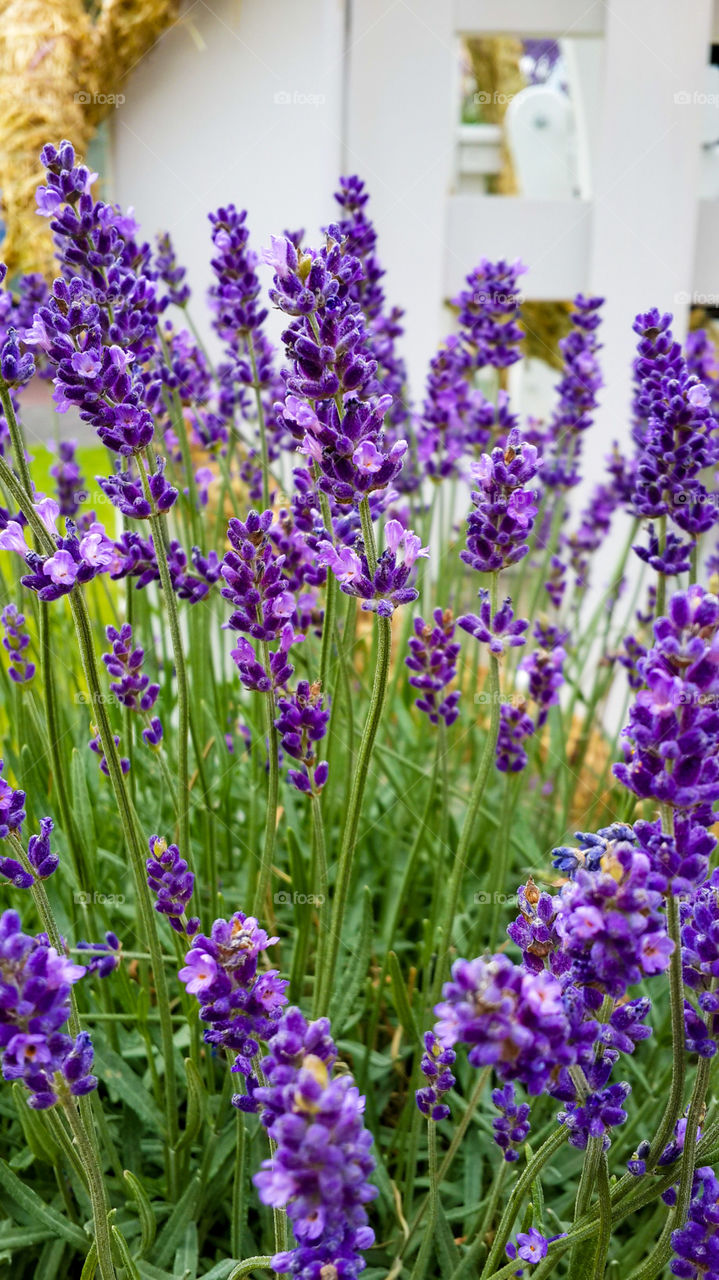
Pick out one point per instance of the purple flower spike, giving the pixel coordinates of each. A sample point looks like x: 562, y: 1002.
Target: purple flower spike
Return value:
x: 169, y: 878
x: 386, y: 589
x: 317, y: 1123
x: 34, y: 1006
x: 12, y: 808
x: 511, y: 1127
x: 301, y: 723
x: 504, y: 507
x: 15, y: 368
x: 16, y: 641
x: 433, y: 654
x: 436, y: 1063
x: 70, y: 482
x: 500, y: 631
x: 514, y: 1020
x: 39, y: 854
x: 108, y: 957
x: 241, y: 1005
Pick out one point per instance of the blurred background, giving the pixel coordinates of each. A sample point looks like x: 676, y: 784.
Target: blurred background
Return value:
x: 581, y: 138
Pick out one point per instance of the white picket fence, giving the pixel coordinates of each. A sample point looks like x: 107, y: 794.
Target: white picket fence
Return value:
x: 265, y: 102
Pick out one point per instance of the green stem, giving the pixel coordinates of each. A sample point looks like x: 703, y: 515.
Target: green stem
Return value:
x: 359, y: 780
x: 96, y: 1188
x: 420, y: 1265
x: 475, y: 800
x: 261, y: 426
x: 521, y: 1187
x: 322, y: 886
x: 273, y: 787
x: 157, y: 522
x: 675, y: 1100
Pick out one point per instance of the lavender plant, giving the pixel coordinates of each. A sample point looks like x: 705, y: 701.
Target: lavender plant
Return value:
x: 421, y: 979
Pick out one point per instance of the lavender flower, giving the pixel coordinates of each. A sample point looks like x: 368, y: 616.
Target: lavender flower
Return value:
x: 511, y: 1127
x: 545, y: 670
x: 699, y: 916
x: 329, y: 405
x: 16, y: 641
x: 301, y: 722
x: 504, y: 508
x: 41, y: 858
x: 172, y: 883
x: 386, y: 589
x: 70, y: 482
x: 433, y: 654
x: 12, y: 808
x: 511, y: 1019
x: 515, y: 726
x: 696, y: 1242
x: 611, y: 924
x: 500, y: 630
x: 171, y: 273
x: 531, y: 1246
x: 601, y: 1110
x: 34, y: 1006
x: 670, y: 740
x: 15, y: 368
x: 488, y: 313
x: 577, y: 389
x: 240, y: 1005
x: 253, y: 578
x: 435, y: 1067
x: 107, y: 957
x: 321, y: 1166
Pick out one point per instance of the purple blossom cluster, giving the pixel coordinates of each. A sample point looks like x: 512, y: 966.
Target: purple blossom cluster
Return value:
x: 241, y: 1005
x: 320, y: 1169
x: 696, y: 1242
x: 511, y: 1019
x: 676, y: 442
x: 699, y: 916
x: 35, y: 986
x: 131, y: 686
x: 79, y: 556
x: 577, y: 390
x: 171, y: 881
x: 15, y: 642
x: 500, y: 630
x: 302, y: 722
x: 670, y: 742
x: 511, y: 1127
x: 385, y: 589
x: 435, y: 1066
x: 70, y: 483
x: 504, y: 506
x: 432, y: 659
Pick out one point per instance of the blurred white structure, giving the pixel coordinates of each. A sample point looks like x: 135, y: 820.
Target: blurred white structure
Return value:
x: 265, y: 102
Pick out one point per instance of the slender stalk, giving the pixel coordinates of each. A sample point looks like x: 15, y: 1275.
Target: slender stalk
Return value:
x: 359, y: 780
x: 475, y: 800
x: 96, y: 1188
x: 273, y: 787
x: 521, y: 1187
x: 264, y: 450
x: 322, y: 886
x: 157, y: 522
x: 675, y: 1100
x: 420, y: 1265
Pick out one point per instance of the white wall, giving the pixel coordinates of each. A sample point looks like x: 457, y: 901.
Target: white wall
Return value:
x: 207, y: 121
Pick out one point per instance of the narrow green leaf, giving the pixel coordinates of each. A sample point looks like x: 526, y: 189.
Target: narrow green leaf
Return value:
x: 123, y: 1081
x: 401, y: 1000
x: 123, y: 1255
x: 89, y: 1267
x: 196, y: 1105
x: 356, y: 970
x: 174, y: 1229
x: 145, y: 1211
x: 187, y: 1256
x: 35, y: 1132
x: 82, y: 808
x: 28, y: 1200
